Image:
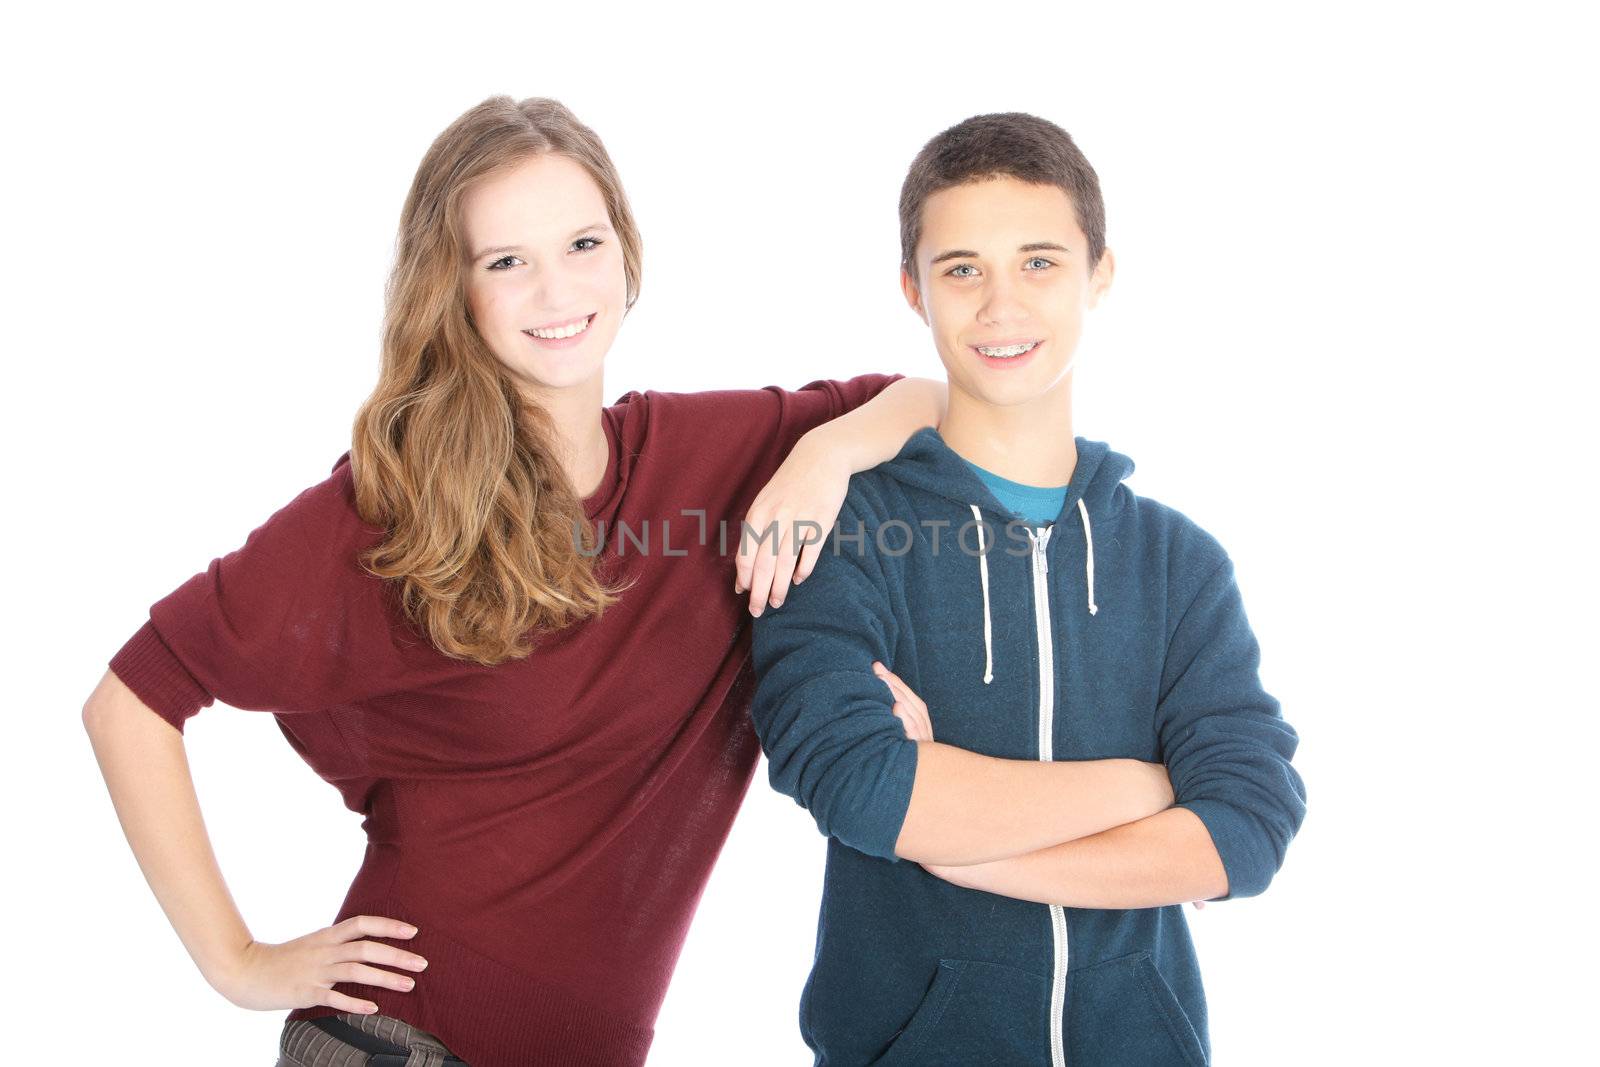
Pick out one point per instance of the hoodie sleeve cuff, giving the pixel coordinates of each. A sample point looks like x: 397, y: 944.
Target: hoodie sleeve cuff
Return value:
x: 882, y: 813
x: 1231, y: 832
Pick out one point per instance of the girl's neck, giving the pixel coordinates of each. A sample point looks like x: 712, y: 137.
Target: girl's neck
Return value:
x: 580, y: 446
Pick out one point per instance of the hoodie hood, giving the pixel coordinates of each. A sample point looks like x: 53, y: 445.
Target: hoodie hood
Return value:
x: 929, y: 464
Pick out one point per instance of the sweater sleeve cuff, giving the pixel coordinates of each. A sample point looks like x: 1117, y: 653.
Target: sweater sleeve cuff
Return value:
x: 147, y: 666
x: 1235, y: 840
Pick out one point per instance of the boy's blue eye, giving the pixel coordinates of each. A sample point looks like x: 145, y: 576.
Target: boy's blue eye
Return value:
x: 961, y: 266
x: 1040, y: 259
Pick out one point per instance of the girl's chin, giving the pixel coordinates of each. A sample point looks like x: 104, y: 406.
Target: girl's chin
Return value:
x: 554, y: 379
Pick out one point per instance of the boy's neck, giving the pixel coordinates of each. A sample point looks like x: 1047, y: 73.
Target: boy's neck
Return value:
x: 1029, y: 443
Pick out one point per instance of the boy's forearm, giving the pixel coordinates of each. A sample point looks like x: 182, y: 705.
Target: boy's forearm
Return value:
x: 878, y: 429
x: 1167, y: 858
x: 968, y: 808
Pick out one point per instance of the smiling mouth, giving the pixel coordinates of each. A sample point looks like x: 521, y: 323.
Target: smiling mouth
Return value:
x: 1007, y: 351
x: 557, y: 333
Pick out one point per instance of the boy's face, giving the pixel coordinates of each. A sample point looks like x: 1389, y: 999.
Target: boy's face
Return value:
x: 1004, y: 286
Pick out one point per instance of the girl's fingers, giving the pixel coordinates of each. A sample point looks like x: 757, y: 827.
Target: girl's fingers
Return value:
x: 808, y: 561
x: 343, y: 1003
x: 749, y: 551
x: 741, y: 569
x: 370, y: 926
x: 782, y: 573
x: 360, y: 972
x: 760, y: 582
x: 376, y: 952
x: 766, y: 556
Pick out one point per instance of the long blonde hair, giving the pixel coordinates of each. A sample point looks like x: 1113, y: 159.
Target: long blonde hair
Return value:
x: 483, y: 526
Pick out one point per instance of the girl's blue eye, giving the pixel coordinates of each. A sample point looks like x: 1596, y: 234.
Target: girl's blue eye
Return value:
x: 503, y: 262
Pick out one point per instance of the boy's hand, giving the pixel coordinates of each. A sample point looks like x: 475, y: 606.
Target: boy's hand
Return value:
x: 908, y: 707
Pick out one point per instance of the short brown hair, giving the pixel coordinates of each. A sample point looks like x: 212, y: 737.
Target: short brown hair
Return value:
x: 1006, y: 144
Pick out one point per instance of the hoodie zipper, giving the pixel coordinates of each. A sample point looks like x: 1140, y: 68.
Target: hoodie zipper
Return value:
x: 1047, y: 714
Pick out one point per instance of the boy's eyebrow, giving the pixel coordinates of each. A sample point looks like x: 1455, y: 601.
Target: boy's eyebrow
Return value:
x: 1034, y: 246
x: 516, y: 248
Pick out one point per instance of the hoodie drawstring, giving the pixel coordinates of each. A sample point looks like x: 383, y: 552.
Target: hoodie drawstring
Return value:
x: 983, y: 572
x: 1088, y: 543
x: 983, y: 575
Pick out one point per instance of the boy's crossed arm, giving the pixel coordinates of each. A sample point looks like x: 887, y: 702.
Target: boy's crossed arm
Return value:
x: 966, y: 808
x: 834, y: 744
x: 1094, y: 833
x: 1153, y: 858
x: 1166, y: 858
x: 1228, y: 750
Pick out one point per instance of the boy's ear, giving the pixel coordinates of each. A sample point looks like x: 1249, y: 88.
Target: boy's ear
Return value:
x: 1100, y: 281
x: 913, y: 297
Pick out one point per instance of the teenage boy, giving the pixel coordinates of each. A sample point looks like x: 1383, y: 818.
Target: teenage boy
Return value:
x: 1069, y: 659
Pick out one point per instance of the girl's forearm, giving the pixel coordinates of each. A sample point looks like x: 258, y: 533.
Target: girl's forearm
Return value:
x: 147, y: 773
x: 878, y: 429
x: 1167, y: 858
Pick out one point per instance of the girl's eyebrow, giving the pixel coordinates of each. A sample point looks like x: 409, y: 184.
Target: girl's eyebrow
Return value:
x: 517, y: 248
x: 1032, y: 246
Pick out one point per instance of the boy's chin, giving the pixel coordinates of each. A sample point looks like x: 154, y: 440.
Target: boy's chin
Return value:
x: 1005, y: 392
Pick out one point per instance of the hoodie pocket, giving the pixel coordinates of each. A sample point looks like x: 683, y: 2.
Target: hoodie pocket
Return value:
x: 973, y: 1013
x: 1123, y: 1011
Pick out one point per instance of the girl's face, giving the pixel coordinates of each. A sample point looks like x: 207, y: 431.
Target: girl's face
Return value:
x: 545, y: 281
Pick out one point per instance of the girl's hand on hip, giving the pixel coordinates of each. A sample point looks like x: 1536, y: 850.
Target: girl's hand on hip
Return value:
x: 302, y: 973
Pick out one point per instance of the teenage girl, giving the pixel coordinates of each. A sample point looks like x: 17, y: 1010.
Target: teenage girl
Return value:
x: 511, y: 626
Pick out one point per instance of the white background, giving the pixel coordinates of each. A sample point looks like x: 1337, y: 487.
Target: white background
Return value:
x: 1351, y: 334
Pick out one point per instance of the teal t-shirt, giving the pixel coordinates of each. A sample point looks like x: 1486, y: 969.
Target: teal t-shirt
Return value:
x: 1037, y: 504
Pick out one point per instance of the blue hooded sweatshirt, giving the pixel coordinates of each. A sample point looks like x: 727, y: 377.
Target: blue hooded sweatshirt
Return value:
x: 1116, y: 632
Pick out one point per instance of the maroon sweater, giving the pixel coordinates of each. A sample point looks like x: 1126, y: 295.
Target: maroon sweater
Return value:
x: 548, y: 824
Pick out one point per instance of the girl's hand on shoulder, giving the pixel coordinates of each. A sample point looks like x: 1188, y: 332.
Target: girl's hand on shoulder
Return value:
x: 800, y: 502
x: 301, y: 973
